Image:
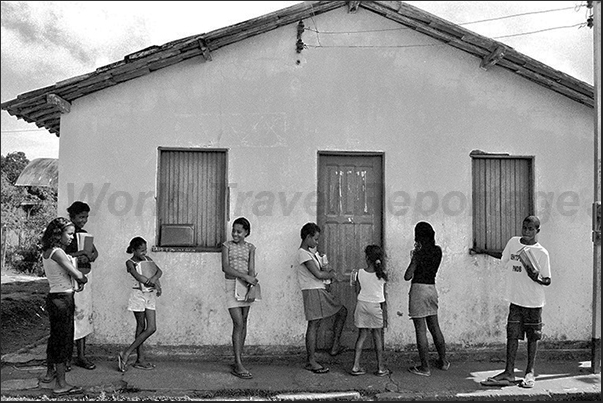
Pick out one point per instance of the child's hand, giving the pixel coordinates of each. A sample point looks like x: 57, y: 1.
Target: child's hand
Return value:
x: 83, y: 259
x: 159, y: 291
x: 533, y: 273
x: 251, y: 280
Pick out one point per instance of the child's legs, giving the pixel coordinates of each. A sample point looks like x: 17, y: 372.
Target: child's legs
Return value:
x: 515, y: 333
x: 311, y: 334
x: 422, y: 344
x: 378, y: 342
x: 533, y: 329
x: 438, y: 338
x: 239, y: 330
x: 81, y: 348
x: 338, y: 324
x: 145, y: 327
x: 362, y: 335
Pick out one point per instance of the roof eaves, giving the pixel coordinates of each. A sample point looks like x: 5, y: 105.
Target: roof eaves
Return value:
x: 34, y: 108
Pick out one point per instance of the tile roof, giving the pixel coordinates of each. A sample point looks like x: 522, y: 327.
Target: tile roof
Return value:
x: 45, y: 105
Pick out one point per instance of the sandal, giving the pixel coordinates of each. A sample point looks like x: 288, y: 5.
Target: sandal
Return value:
x: 69, y: 391
x: 143, y: 365
x: 85, y: 363
x: 48, y: 378
x: 122, y: 365
x: 417, y: 371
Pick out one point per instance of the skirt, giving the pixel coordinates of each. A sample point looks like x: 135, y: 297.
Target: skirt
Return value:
x: 422, y: 300
x: 83, y: 311
x: 319, y: 304
x: 229, y: 290
x: 368, y: 315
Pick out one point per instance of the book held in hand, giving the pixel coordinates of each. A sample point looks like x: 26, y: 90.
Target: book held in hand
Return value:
x: 148, y: 268
x: 247, y: 292
x: 529, y: 261
x: 85, y: 242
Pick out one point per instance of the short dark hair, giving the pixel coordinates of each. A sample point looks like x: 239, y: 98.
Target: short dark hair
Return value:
x: 533, y: 219
x: 77, y: 207
x: 244, y: 223
x: 135, y: 243
x: 309, y: 229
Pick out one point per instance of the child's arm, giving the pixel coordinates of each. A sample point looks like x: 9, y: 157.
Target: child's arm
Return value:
x: 139, y: 277
x: 410, y: 270
x: 312, y: 266
x: 251, y: 269
x: 65, y: 263
x: 94, y: 254
x: 158, y: 288
x: 157, y: 274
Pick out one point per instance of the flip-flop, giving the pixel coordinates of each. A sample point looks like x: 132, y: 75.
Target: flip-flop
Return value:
x: 361, y: 371
x: 321, y: 370
x: 341, y: 349
x: 146, y: 365
x: 444, y: 367
x: 48, y: 379
x: 85, y: 363
x: 528, y: 382
x: 415, y: 370
x: 71, y: 391
x: 496, y: 382
x: 385, y: 372
x: 242, y: 375
x: 121, y: 364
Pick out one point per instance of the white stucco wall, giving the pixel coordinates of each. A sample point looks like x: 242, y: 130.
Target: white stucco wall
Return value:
x: 425, y: 106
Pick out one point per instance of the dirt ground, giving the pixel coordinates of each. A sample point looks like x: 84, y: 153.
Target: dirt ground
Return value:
x: 24, y: 319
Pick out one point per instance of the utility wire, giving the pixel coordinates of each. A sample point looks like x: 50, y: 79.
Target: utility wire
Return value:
x: 582, y: 24
x: 576, y: 8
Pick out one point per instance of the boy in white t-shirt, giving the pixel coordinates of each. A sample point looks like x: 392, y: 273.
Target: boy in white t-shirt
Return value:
x: 528, y: 270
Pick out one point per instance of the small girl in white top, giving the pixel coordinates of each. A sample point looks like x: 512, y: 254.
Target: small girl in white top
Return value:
x: 368, y: 316
x: 142, y: 302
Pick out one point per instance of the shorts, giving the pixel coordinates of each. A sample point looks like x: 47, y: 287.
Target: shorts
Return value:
x: 523, y: 322
x: 368, y: 315
x: 231, y: 301
x: 319, y: 304
x: 141, y: 301
x: 422, y: 300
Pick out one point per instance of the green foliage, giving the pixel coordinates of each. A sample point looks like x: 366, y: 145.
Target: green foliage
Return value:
x: 25, y: 212
x: 12, y: 165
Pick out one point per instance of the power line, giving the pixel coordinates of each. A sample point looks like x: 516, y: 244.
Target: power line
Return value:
x: 522, y: 14
x: 576, y: 8
x: 582, y: 24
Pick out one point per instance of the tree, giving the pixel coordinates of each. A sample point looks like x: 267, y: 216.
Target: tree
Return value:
x: 25, y: 212
x: 12, y: 165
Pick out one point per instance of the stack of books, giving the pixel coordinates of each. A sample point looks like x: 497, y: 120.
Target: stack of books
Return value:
x: 85, y: 242
x: 529, y: 261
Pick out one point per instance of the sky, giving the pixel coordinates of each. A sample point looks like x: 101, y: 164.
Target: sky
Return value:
x: 44, y: 42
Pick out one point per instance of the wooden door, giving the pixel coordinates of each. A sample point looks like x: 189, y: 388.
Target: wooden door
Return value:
x: 350, y: 206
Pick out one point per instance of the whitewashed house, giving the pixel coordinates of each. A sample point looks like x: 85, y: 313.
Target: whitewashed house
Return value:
x: 365, y: 117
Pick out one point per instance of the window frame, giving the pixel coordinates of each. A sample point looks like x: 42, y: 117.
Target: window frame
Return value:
x: 530, y: 201
x: 222, y: 235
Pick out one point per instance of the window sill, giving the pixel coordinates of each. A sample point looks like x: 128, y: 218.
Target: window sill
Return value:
x: 185, y: 249
x: 493, y: 253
